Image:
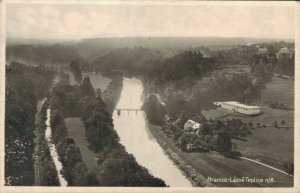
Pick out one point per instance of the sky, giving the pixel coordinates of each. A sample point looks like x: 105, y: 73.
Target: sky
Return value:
x: 69, y: 21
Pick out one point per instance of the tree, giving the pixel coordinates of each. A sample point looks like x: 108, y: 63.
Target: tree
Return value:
x: 205, y: 129
x: 99, y: 93
x: 154, y: 109
x: 224, y: 142
x: 75, y: 69
x: 86, y: 88
x: 91, y: 179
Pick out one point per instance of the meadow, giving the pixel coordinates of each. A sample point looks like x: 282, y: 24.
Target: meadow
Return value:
x: 76, y: 130
x: 269, y: 144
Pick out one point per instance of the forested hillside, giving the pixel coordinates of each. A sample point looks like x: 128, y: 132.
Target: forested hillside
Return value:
x: 25, y: 85
x: 42, y: 54
x: 129, y: 60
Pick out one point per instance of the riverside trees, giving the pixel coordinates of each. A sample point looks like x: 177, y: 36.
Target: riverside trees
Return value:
x: 115, y: 166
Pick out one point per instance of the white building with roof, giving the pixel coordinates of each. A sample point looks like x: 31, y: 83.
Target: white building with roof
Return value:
x: 284, y: 52
x: 191, y: 125
x: 238, y: 107
x: 262, y: 50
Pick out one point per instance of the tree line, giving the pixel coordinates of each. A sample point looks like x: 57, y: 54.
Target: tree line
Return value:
x: 42, y: 54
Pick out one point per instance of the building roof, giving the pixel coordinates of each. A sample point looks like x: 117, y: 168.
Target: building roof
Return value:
x: 193, y: 124
x: 262, y: 50
x: 284, y: 50
x: 234, y: 103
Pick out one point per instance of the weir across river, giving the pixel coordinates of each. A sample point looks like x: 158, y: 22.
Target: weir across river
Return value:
x: 127, y: 109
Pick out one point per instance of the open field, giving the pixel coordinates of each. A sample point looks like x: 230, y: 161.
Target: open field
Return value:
x: 77, y: 132
x: 217, y: 166
x: 270, y: 144
x: 270, y: 140
x: 97, y: 80
x: 279, y: 90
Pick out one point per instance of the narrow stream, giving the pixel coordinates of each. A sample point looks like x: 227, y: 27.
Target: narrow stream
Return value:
x: 53, y: 152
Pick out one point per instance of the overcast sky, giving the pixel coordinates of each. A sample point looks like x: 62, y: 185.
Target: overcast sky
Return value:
x: 85, y: 21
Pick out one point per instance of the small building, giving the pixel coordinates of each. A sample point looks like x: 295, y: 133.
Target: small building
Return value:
x: 261, y: 51
x: 191, y: 125
x: 284, y: 52
x: 238, y: 107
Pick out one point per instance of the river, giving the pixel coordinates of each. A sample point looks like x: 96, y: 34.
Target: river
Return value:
x: 53, y: 151
x: 132, y: 128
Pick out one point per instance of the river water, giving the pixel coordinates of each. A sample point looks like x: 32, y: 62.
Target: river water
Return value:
x: 132, y: 128
x: 53, y: 151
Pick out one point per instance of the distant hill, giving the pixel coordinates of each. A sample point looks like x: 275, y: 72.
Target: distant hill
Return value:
x: 21, y: 41
x: 166, y: 45
x: 168, y: 42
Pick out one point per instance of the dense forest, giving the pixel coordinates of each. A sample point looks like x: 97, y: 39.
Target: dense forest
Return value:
x: 115, y: 166
x: 25, y: 85
x: 134, y: 61
x: 42, y: 54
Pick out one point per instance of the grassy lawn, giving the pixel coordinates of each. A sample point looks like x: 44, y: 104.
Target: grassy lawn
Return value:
x: 76, y: 130
x: 280, y: 90
x: 97, y: 80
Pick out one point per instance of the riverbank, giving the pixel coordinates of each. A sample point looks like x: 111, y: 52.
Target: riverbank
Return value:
x: 189, y: 172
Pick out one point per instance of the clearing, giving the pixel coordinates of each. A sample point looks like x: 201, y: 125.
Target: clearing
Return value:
x: 76, y: 130
x: 97, y: 80
x: 280, y: 90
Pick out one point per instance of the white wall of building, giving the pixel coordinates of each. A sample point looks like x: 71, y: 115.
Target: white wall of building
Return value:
x: 243, y: 109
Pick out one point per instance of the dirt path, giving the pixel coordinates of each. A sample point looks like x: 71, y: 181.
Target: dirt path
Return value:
x: 278, y: 170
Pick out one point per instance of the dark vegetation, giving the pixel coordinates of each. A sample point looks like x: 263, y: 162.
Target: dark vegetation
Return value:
x: 118, y: 168
x: 42, y: 55
x: 155, y: 109
x: 75, y: 69
x: 212, y: 134
x: 112, y: 93
x: 185, y: 64
x: 25, y: 85
x: 115, y: 166
x: 132, y: 61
